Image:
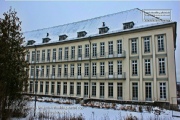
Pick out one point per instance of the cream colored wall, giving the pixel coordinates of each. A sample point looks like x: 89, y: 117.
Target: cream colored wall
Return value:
x: 154, y: 78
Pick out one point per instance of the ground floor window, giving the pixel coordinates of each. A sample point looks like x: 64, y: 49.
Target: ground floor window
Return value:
x: 47, y: 88
x: 52, y: 87
x: 101, y: 90
x: 71, y: 88
x: 41, y: 87
x: 36, y: 86
x: 93, y: 89
x: 110, y: 89
x: 58, y: 88
x: 65, y: 88
x: 86, y: 89
x: 148, y: 91
x: 162, y: 86
x: 78, y: 88
x: 119, y: 91
x: 31, y: 87
x: 135, y: 91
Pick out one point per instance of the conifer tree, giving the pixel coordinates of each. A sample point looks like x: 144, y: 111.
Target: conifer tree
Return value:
x: 13, y: 75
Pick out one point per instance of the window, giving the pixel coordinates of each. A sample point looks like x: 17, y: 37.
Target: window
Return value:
x: 160, y: 43
x: 28, y: 57
x: 72, y: 70
x: 148, y: 91
x: 102, y: 68
x: 162, y: 90
x: 59, y: 70
x: 101, y: 90
x: 48, y: 54
x: 79, y: 69
x: 42, y: 71
x: 94, y: 69
x: 52, y: 87
x: 119, y: 91
x: 47, y: 88
x: 60, y: 53
x: 94, y: 50
x: 162, y: 66
x: 86, y: 89
x: 65, y: 70
x: 110, y: 68
x: 73, y: 52
x: 110, y: 47
x: 53, y: 70
x: 93, y: 89
x: 78, y: 88
x: 65, y: 88
x: 134, y: 67
x: 110, y: 89
x: 71, y: 88
x: 146, y: 44
x: 43, y: 55
x: 102, y: 49
x: 54, y: 54
x: 33, y: 56
x: 41, y: 87
x: 86, y: 65
x: 147, y: 66
x: 79, y: 51
x: 119, y: 46
x: 31, y: 86
x: 37, y: 71
x: 133, y: 46
x: 58, y: 88
x: 47, y: 71
x: 86, y: 50
x: 32, y: 70
x: 66, y: 53
x: 36, y: 86
x: 119, y: 67
x: 135, y: 91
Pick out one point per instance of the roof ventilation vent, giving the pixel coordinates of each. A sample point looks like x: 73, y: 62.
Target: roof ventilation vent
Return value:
x: 128, y: 25
x: 103, y: 29
x: 31, y: 42
x: 81, y: 34
x: 62, y: 37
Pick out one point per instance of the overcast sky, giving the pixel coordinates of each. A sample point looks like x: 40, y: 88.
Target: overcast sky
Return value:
x: 38, y: 15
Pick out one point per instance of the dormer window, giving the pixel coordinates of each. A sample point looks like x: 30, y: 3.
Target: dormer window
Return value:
x: 31, y: 42
x: 128, y: 25
x: 103, y: 29
x: 81, y: 34
x: 62, y: 37
x: 45, y: 40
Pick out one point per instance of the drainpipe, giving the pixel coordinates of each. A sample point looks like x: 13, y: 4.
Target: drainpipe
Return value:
x: 90, y: 68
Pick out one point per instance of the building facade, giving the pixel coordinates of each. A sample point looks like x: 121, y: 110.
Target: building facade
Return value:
x: 133, y: 62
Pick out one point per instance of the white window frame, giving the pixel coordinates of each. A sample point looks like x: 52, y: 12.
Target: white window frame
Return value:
x: 59, y: 71
x: 148, y: 91
x: 162, y: 66
x: 94, y: 69
x: 134, y: 68
x: 38, y: 56
x: 79, y: 69
x: 48, y: 54
x: 72, y: 52
x: 64, y: 88
x: 160, y: 39
x: 110, y: 89
x: 43, y: 55
x: 102, y: 49
x: 162, y: 90
x: 86, y: 50
x: 102, y: 90
x: 79, y: 52
x: 134, y: 91
x: 119, y: 67
x: 71, y: 88
x: 110, y: 48
x: 110, y: 68
x: 66, y: 53
x: 60, y: 54
x: 102, y: 69
x: 146, y: 44
x: 86, y: 67
x: 133, y: 46
x: 72, y: 70
x: 119, y: 47
x: 94, y: 45
x: 93, y: 89
x: 54, y: 54
x: 78, y: 88
x: 119, y: 90
x: 65, y: 70
x: 147, y: 66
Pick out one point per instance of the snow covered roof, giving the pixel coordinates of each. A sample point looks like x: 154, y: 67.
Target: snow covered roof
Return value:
x: 113, y: 21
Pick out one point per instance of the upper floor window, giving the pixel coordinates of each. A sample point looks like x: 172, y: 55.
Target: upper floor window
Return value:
x: 87, y: 50
x: 119, y: 46
x: 110, y: 68
x: 28, y: 56
x: 86, y: 65
x: 162, y: 86
x: 80, y: 51
x: 33, y: 55
x: 119, y: 67
x: 66, y: 53
x: 72, y: 70
x: 162, y: 66
x: 110, y: 47
x: 72, y: 52
x: 65, y: 70
x: 102, y: 68
x: 102, y: 49
x: 38, y: 56
x: 48, y: 54
x: 94, y: 69
x: 134, y: 67
x: 94, y: 49
x: 79, y: 69
x: 133, y: 46
x: 54, y: 54
x: 60, y: 53
x: 160, y: 42
x: 146, y: 44
x: 43, y: 55
x: 147, y: 66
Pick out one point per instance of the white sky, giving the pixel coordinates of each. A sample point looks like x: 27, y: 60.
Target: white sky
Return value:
x: 38, y: 15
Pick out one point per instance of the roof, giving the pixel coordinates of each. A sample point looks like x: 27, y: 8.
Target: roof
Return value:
x: 91, y: 26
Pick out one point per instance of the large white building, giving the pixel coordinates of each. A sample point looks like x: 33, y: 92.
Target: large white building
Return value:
x: 112, y: 57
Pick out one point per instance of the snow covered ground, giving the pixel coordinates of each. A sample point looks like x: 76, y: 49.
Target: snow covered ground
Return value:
x: 89, y: 113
